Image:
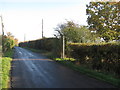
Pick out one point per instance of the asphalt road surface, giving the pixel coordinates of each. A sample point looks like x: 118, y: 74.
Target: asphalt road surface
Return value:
x: 32, y: 70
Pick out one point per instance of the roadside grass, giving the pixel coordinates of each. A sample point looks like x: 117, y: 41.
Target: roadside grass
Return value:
x: 70, y: 62
x: 94, y: 74
x: 0, y: 67
x: 9, y: 53
x: 6, y: 66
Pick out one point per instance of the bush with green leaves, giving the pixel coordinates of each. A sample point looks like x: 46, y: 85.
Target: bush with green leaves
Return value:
x: 75, y: 33
x: 65, y: 59
x: 104, y: 19
x: 49, y: 44
x: 8, y: 42
x: 105, y: 57
x: 6, y: 66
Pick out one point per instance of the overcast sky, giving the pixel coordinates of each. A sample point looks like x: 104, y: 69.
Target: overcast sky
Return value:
x: 25, y: 16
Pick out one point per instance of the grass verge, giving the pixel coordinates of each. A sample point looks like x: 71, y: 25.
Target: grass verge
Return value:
x: 97, y: 75
x: 6, y: 66
x: 79, y: 68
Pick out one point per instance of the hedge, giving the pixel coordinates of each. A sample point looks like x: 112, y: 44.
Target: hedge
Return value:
x: 105, y: 57
x: 49, y: 44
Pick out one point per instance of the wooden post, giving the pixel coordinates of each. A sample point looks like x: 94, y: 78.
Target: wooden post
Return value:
x: 63, y: 54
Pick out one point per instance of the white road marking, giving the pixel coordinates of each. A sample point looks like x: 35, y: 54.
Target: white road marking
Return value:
x: 20, y: 52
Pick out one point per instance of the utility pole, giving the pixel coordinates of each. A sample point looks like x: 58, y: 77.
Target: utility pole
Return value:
x: 2, y: 25
x: 24, y: 37
x: 42, y: 28
x: 2, y: 34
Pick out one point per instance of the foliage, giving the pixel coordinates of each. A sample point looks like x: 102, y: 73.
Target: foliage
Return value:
x: 0, y: 40
x: 6, y: 66
x: 103, y: 18
x: 0, y: 46
x: 48, y: 44
x: 57, y: 47
x: 5, y: 71
x: 8, y: 42
x: 103, y: 57
x: 9, y: 54
x: 44, y: 44
x: 74, y: 32
x: 64, y: 59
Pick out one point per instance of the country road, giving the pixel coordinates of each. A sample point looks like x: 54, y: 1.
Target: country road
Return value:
x: 32, y: 70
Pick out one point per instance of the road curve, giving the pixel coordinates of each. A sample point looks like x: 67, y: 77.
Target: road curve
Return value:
x: 32, y: 70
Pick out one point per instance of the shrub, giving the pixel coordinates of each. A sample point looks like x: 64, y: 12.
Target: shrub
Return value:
x: 103, y: 57
x: 48, y: 44
x: 5, y: 71
x: 65, y: 59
